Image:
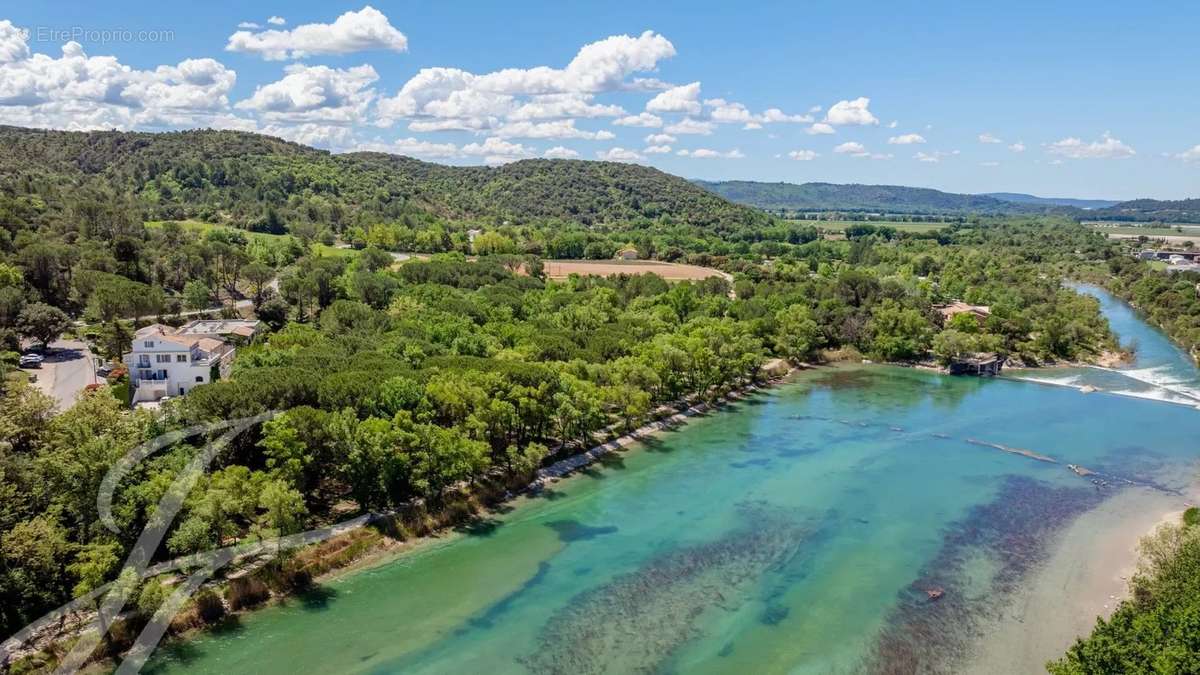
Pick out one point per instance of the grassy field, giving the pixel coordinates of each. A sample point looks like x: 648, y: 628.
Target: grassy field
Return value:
x: 201, y: 227
x: 840, y: 225
x: 561, y: 269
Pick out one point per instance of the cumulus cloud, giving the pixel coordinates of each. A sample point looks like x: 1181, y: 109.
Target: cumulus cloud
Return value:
x: 803, y: 155
x: 1019, y: 146
x: 707, y: 153
x: 682, y: 99
x: 820, y: 128
x: 618, y: 155
x: 690, y: 126
x: 1190, y: 155
x: 986, y: 137
x: 657, y: 149
x: 563, y: 106
x: 730, y: 112
x: 855, y: 149
x: 366, y: 29
x: 555, y: 129
x: 560, y: 152
x: 906, y: 139
x: 644, y: 119
x: 249, y: 24
x: 851, y: 113
x: 451, y: 98
x: 313, y: 93
x: 277, y: 21
x: 597, y: 67
x: 660, y: 139
x: 497, y: 151
x: 934, y: 157
x: 1105, y: 148
x: 78, y: 91
x: 414, y: 147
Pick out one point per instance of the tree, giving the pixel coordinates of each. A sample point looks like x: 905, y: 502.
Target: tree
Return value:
x: 898, y: 333
x: 951, y: 344
x: 284, y: 507
x: 259, y: 276
x: 196, y: 295
x: 43, y: 322
x: 797, y: 334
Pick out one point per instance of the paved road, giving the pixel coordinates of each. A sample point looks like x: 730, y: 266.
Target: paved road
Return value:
x: 68, y: 368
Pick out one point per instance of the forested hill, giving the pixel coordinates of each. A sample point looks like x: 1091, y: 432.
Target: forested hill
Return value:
x: 1022, y: 198
x: 1144, y: 210
x: 791, y: 197
x: 235, y: 176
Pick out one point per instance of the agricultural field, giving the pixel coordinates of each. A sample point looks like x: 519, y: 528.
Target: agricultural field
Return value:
x: 840, y: 225
x: 561, y: 269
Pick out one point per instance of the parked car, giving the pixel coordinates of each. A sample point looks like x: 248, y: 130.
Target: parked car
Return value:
x: 31, y: 360
x: 104, y: 370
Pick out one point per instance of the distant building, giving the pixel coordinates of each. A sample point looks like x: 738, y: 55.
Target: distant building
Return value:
x: 471, y: 234
x: 627, y: 253
x: 169, y: 361
x: 987, y: 364
x: 948, y: 312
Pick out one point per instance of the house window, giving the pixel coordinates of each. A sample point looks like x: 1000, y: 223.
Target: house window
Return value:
x: 181, y: 358
x: 162, y: 358
x: 148, y: 343
x: 199, y: 378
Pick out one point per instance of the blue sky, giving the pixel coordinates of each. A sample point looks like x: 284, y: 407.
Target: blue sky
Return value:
x: 1057, y: 99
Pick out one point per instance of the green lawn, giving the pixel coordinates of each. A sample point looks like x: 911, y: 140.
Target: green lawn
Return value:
x: 202, y: 227
x: 320, y: 249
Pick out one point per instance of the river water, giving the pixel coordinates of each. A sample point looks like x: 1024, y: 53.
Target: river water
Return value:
x: 803, y: 531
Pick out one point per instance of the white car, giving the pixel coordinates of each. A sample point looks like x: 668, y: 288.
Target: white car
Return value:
x: 32, y: 360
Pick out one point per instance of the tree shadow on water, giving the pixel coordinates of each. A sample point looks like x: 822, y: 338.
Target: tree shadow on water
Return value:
x: 317, y: 598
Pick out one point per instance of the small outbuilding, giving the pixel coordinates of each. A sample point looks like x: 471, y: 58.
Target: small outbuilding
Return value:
x: 627, y: 253
x: 986, y: 364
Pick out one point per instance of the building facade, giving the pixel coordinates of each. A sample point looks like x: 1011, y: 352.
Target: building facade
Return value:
x: 169, y: 361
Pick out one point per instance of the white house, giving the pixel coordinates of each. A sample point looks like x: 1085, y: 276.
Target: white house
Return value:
x: 169, y: 361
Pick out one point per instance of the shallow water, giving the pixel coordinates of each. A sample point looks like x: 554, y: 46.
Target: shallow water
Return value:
x: 796, y: 532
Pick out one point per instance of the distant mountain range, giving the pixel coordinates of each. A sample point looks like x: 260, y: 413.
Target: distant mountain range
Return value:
x: 1019, y: 198
x: 787, y: 198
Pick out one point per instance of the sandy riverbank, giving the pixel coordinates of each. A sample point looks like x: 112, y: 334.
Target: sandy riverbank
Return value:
x: 1085, y: 577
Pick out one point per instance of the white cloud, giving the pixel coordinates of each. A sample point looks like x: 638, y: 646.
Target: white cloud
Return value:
x: 690, y: 126
x: 751, y: 126
x: 277, y: 21
x: 597, y: 67
x: 851, y: 113
x: 560, y: 152
x: 563, y: 106
x: 682, y: 99
x: 333, y: 136
x: 315, y: 93
x: 855, y: 149
x: 657, y: 149
x: 906, y: 139
x: 707, y: 153
x: 986, y: 137
x: 366, y: 29
x: 644, y: 119
x: 414, y: 147
x: 660, y: 139
x: 451, y: 98
x: 249, y: 25
x: 497, y: 151
x: 893, y: 124
x: 726, y: 111
x: 1106, y: 148
x: 77, y: 91
x: 820, y: 128
x: 555, y: 129
x: 1190, y: 155
x: 1019, y: 146
x: 775, y: 115
x: 815, y: 109
x: 803, y: 155
x: 619, y: 155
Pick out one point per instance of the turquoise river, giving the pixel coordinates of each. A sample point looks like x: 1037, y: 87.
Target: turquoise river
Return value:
x: 805, y: 530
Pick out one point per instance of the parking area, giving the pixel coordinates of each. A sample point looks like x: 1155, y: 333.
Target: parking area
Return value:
x: 68, y: 366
